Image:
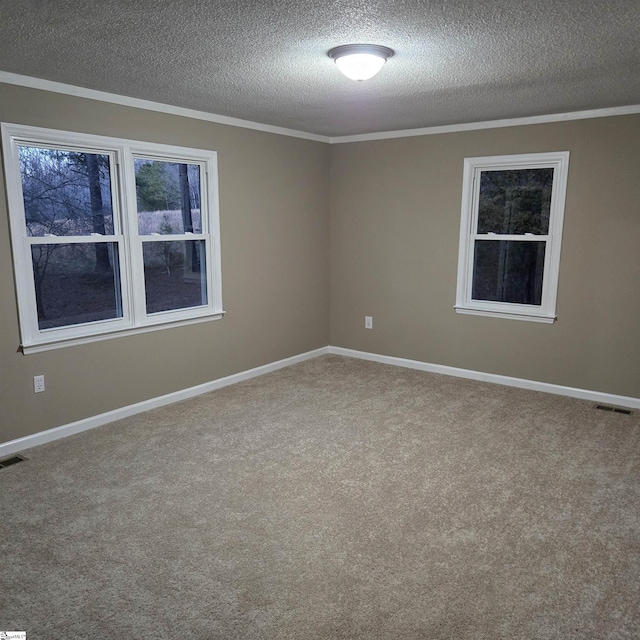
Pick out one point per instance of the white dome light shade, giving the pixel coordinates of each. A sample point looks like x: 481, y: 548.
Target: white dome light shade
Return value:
x: 360, y: 61
x: 360, y: 66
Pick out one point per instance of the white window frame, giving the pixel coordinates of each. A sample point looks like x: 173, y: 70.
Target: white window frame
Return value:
x: 122, y: 152
x: 546, y: 311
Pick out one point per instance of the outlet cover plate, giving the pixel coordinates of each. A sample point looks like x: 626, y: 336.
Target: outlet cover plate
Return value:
x: 38, y: 384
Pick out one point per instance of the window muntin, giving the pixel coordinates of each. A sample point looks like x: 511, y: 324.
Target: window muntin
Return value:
x: 510, y: 234
x: 85, y: 265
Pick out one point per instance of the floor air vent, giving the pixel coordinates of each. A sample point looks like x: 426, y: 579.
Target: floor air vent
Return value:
x: 7, y: 462
x: 604, y: 407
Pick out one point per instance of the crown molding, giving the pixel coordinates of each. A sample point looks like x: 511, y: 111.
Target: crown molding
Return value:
x: 127, y: 101
x: 490, y: 124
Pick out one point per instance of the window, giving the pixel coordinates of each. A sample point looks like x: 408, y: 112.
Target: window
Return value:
x: 109, y: 236
x: 510, y: 233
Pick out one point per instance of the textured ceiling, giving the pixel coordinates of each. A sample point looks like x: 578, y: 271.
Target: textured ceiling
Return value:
x: 456, y: 61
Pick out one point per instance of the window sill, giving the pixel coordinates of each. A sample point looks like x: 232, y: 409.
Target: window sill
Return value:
x: 508, y: 315
x: 37, y: 347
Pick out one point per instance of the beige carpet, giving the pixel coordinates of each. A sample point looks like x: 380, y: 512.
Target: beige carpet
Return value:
x: 333, y: 499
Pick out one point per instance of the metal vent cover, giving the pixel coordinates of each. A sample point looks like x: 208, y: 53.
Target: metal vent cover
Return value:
x: 8, y: 462
x: 605, y: 407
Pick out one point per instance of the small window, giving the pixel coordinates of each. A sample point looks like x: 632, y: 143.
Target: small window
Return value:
x: 510, y: 234
x: 109, y: 236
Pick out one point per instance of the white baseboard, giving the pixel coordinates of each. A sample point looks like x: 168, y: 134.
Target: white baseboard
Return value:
x: 20, y: 444
x: 595, y: 396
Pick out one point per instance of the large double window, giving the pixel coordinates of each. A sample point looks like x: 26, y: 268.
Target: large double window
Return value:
x: 109, y: 236
x: 511, y: 228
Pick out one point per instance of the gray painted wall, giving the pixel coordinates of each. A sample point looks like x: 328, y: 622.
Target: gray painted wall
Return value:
x: 274, y: 199
x: 316, y: 236
x: 395, y: 221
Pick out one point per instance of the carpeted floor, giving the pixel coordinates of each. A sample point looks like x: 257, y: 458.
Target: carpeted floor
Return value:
x: 333, y: 499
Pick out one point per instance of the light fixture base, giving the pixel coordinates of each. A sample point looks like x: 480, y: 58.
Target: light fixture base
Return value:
x: 351, y: 49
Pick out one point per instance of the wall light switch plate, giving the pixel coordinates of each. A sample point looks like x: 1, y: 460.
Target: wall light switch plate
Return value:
x: 368, y: 322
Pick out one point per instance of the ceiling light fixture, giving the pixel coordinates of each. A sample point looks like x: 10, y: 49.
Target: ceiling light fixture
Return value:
x: 360, y: 61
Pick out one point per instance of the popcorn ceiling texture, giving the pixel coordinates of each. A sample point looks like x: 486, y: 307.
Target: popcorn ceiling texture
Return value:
x: 456, y: 61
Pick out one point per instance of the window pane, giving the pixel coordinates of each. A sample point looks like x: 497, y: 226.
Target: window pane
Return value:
x: 174, y: 274
x: 65, y: 193
x: 76, y: 283
x: 168, y: 197
x: 508, y: 271
x: 515, y: 201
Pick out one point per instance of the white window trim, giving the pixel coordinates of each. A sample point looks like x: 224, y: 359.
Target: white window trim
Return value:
x: 135, y: 319
x: 546, y: 311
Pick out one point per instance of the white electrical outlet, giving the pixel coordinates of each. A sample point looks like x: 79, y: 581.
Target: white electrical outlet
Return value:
x: 368, y: 322
x: 38, y: 384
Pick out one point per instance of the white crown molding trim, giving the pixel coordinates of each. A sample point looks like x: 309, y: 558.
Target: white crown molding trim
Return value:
x: 127, y: 101
x: 522, y: 383
x: 490, y: 124
x: 36, y: 439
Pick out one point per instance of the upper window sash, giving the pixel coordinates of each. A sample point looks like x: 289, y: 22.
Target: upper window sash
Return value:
x: 151, y: 180
x: 471, y: 235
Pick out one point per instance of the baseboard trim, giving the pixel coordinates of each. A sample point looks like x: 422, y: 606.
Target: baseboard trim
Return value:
x: 522, y: 383
x: 36, y: 439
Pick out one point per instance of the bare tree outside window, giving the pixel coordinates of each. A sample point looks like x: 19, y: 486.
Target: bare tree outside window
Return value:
x: 109, y: 236
x: 68, y: 193
x: 168, y: 201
